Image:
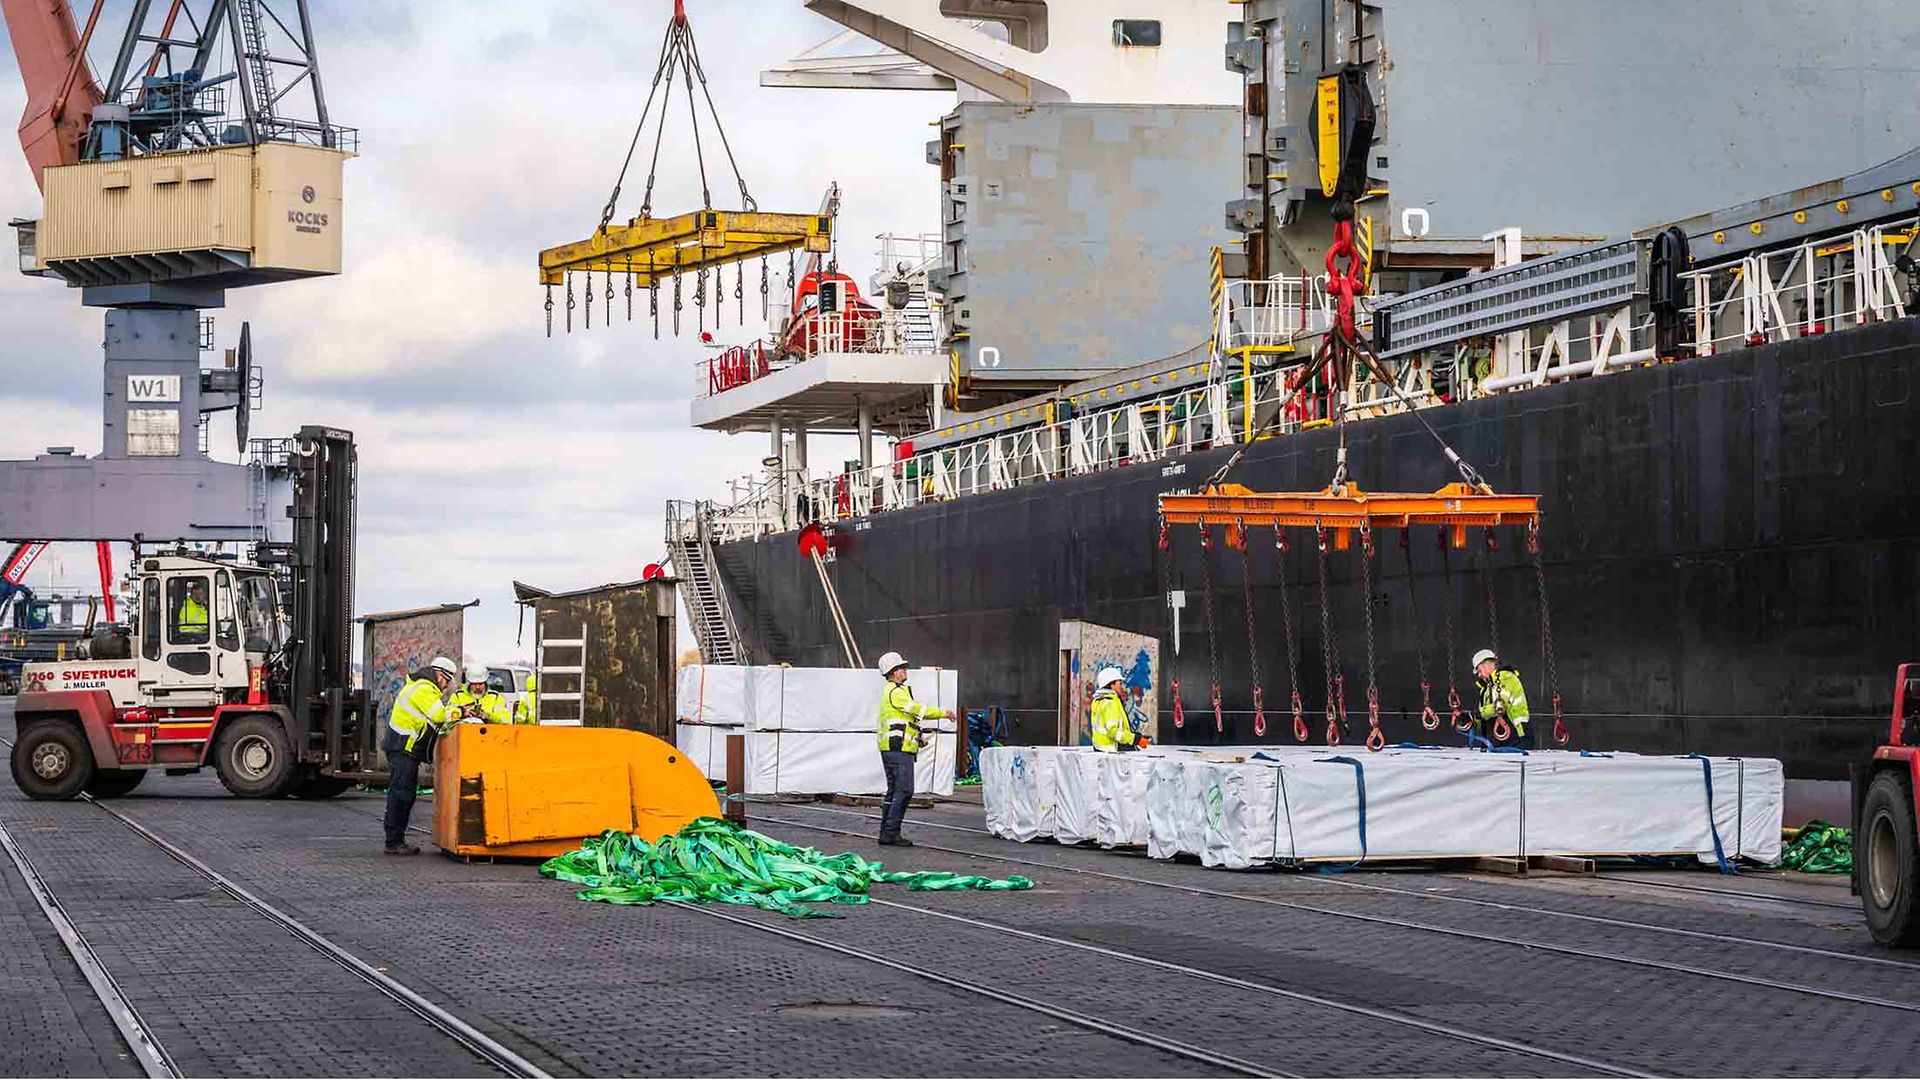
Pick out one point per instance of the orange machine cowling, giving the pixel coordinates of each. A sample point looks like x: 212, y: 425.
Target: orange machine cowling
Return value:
x: 519, y: 790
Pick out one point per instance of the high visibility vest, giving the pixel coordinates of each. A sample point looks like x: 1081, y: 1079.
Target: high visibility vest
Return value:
x: 900, y: 718
x: 1503, y: 692
x: 524, y: 711
x: 1111, y: 728
x: 417, y: 708
x: 492, y: 707
x: 191, y: 618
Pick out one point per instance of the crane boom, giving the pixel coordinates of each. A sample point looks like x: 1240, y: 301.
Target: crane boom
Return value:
x: 61, y: 91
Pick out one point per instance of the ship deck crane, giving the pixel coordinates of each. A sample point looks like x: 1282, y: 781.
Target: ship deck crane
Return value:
x: 648, y: 251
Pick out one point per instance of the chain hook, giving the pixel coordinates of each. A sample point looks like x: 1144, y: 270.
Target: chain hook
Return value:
x: 549, y: 306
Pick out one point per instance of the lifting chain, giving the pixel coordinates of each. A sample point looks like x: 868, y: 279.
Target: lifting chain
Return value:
x: 1449, y: 660
x: 1166, y: 594
x: 609, y: 308
x: 653, y: 295
x: 1502, y: 731
x: 1376, y: 740
x: 740, y: 294
x: 628, y: 285
x: 700, y: 296
x: 1429, y: 719
x: 676, y: 300
x: 719, y: 294
x: 549, y: 310
x: 1561, y: 736
x: 1253, y: 644
x: 1491, y: 546
x: 586, y: 295
x: 1286, y: 616
x: 569, y: 303
x: 765, y: 308
x: 1329, y: 653
x: 1213, y: 635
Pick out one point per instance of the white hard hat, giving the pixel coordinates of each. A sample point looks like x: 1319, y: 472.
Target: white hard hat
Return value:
x: 1108, y: 676
x: 441, y: 663
x: 1482, y: 657
x: 476, y: 673
x: 890, y: 661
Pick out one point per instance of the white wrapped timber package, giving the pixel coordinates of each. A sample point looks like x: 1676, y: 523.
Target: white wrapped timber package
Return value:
x: 1076, y: 787
x: 1017, y: 787
x: 1120, y: 817
x: 1243, y: 810
x: 811, y: 731
x: 1630, y: 804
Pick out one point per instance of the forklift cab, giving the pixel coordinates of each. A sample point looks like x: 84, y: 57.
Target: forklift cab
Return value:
x: 203, y: 625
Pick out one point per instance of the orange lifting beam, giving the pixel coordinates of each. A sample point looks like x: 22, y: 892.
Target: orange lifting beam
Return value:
x: 654, y: 249
x: 1456, y: 505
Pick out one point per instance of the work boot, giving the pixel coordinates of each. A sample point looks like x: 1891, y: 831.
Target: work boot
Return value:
x: 402, y: 848
x: 895, y: 841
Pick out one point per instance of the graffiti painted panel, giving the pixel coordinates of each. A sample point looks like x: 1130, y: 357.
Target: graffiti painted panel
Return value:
x: 1086, y: 648
x: 398, y: 647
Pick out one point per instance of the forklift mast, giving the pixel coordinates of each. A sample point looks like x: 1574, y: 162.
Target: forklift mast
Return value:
x: 317, y: 575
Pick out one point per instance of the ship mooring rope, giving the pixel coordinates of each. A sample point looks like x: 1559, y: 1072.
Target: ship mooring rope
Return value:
x: 714, y: 860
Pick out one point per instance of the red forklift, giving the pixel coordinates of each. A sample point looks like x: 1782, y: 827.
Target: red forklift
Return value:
x: 237, y: 665
x: 1886, y: 805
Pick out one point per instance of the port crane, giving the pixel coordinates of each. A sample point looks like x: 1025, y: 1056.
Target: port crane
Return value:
x: 206, y: 160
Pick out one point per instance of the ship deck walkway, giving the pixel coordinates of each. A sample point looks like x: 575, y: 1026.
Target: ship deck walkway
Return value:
x: 272, y: 937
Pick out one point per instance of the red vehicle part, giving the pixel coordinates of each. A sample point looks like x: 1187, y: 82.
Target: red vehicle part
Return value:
x: 106, y: 744
x: 1886, y: 810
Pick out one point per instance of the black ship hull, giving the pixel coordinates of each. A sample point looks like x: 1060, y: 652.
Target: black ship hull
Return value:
x: 1732, y: 549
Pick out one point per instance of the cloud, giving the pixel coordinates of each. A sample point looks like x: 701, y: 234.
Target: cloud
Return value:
x: 490, y: 130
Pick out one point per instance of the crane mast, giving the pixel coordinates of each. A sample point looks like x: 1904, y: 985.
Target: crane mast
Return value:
x: 206, y: 160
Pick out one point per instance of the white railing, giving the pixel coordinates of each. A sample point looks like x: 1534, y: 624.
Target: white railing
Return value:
x: 1813, y: 288
x: 887, y: 332
x: 1222, y: 412
x: 1832, y: 284
x: 1274, y: 312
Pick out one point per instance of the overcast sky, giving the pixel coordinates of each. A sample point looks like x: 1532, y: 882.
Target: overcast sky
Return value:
x: 490, y: 130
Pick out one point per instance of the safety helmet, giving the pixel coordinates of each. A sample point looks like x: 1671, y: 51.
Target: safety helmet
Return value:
x: 448, y: 667
x: 1482, y: 657
x: 1107, y: 677
x: 476, y: 673
x: 890, y: 662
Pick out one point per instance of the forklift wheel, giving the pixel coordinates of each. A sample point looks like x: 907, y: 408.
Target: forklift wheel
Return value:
x: 1890, y: 863
x: 320, y: 787
x: 51, y: 760
x: 113, y: 783
x: 253, y: 757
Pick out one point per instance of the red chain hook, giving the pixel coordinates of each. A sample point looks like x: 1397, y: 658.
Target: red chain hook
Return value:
x: 1501, y: 729
x: 1337, y: 716
x: 1259, y: 712
x: 1343, y: 283
x: 1561, y: 736
x: 1428, y: 718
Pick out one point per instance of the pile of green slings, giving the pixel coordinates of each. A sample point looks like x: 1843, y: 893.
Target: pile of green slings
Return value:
x: 714, y: 859
x: 1819, y: 848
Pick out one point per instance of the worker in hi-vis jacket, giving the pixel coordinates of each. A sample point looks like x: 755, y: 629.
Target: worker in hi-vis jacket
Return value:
x: 898, y: 733
x: 1109, y: 725
x: 1501, y: 695
x: 419, y: 716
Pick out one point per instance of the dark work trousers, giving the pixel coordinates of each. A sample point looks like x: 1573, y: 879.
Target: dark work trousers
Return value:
x: 403, y: 781
x: 899, y: 767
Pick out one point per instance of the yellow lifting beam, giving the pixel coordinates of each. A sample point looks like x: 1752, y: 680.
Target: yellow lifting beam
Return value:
x: 654, y: 249
x: 1239, y: 508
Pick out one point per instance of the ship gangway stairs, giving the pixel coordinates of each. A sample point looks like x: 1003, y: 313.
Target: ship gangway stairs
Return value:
x: 690, y: 546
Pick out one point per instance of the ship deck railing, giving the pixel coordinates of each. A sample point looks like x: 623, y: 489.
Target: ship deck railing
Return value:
x: 1795, y: 291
